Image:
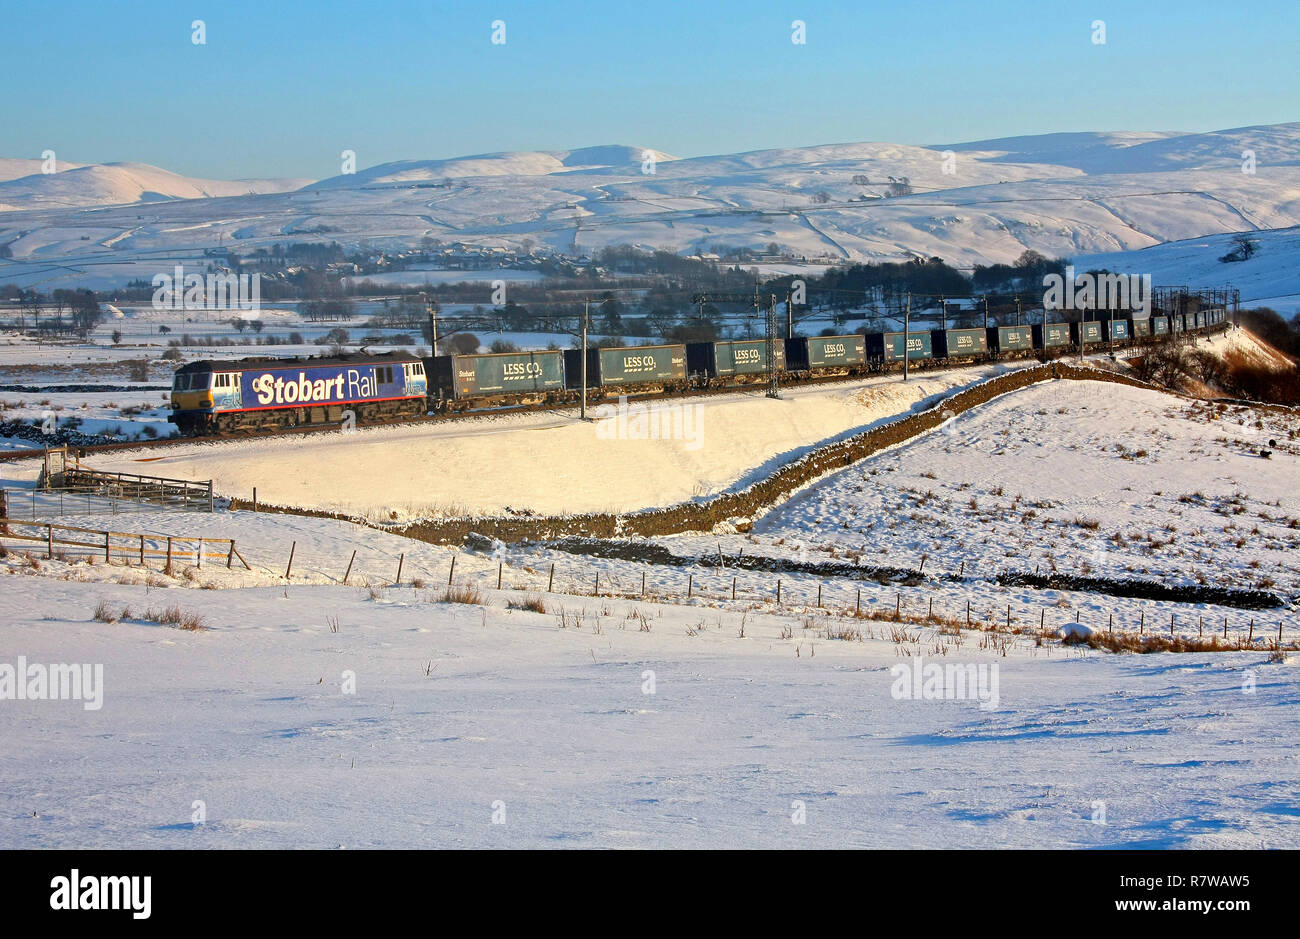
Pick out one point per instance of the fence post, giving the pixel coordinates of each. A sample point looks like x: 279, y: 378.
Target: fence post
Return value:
x: 451, y: 573
x: 49, y: 542
x: 401, y: 559
x: 643, y: 583
x: 142, y: 551
x: 254, y: 498
x: 500, y: 567
x: 198, y: 555
x: 733, y: 588
x: 778, y: 593
x: 169, y: 554
x: 230, y: 556
x: 550, y: 582
x: 107, y: 553
x: 292, y: 549
x: 209, y: 495
x: 345, y: 574
x: 597, y: 591
x: 690, y: 586
x: 859, y: 599
x: 819, y: 595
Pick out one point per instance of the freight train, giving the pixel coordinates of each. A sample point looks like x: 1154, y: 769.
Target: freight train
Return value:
x: 210, y: 397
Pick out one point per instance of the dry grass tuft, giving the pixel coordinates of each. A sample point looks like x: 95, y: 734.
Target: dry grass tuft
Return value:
x: 533, y: 603
x: 462, y: 594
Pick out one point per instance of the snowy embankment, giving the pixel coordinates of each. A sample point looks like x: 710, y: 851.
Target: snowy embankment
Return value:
x: 547, y: 462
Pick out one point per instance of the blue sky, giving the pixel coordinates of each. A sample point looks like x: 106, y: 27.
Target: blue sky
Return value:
x: 281, y: 88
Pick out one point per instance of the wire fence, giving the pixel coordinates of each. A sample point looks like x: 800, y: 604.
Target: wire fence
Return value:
x: 468, y: 577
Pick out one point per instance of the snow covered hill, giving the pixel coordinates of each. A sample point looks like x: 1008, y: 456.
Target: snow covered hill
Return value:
x: 122, y: 184
x: 1271, y: 277
x: 1060, y: 194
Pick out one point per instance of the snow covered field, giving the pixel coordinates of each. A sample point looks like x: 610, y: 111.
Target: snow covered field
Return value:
x: 415, y: 724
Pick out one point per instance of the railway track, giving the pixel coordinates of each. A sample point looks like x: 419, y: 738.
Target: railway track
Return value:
x: 84, y: 451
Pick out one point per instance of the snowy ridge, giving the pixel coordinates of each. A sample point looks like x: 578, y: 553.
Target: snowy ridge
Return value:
x: 1067, y: 195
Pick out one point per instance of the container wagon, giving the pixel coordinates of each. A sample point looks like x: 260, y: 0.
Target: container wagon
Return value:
x: 457, y: 382
x: 888, y: 347
x: 958, y: 343
x: 1048, y: 336
x: 826, y: 353
x: 1086, y: 333
x: 1116, y: 329
x: 1004, y: 339
x: 732, y: 359
x: 623, y: 369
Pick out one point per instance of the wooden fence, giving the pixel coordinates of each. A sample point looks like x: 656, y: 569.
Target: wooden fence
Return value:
x: 134, y: 546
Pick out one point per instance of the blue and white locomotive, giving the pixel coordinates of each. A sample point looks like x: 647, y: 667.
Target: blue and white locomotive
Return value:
x: 249, y: 394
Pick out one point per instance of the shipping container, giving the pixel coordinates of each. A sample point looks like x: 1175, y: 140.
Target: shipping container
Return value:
x: 1119, y: 329
x: 499, y: 373
x: 735, y: 357
x: 1010, y: 338
x: 1051, y: 335
x: 812, y: 352
x: 888, y: 347
x: 626, y: 366
x: 1159, y: 325
x: 958, y: 343
x: 1090, y: 330
x: 1141, y: 327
